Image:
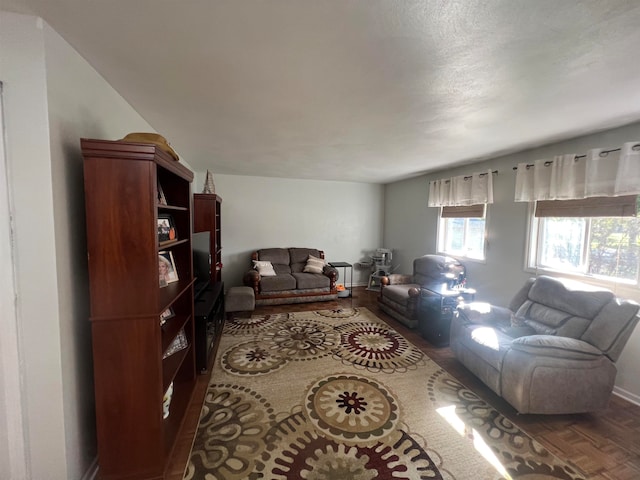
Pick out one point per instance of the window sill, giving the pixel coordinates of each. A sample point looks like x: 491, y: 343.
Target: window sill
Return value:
x: 462, y: 258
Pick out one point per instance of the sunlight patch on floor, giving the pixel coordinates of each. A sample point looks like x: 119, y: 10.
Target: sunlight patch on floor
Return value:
x: 449, y: 414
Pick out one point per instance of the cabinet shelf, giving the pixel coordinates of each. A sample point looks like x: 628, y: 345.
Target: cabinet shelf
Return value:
x: 173, y: 423
x: 171, y: 329
x: 171, y: 243
x: 172, y: 364
x: 173, y: 291
x: 170, y: 207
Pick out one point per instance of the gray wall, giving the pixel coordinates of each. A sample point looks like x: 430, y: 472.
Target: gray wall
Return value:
x: 411, y: 228
x: 342, y: 218
x: 53, y: 98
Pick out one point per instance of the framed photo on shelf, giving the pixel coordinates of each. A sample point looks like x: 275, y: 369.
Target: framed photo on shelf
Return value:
x: 167, y: 268
x: 166, y: 315
x: 178, y: 343
x: 166, y: 228
x: 162, y: 200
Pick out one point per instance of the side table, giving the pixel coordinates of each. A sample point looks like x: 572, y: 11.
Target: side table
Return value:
x: 344, y: 266
x: 436, y: 307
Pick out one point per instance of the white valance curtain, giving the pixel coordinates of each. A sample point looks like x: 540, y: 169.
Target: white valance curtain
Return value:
x: 461, y: 190
x: 599, y: 173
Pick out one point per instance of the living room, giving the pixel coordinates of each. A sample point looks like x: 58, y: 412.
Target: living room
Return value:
x: 52, y: 97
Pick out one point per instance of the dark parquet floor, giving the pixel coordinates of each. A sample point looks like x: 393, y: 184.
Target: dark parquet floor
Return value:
x: 605, y: 445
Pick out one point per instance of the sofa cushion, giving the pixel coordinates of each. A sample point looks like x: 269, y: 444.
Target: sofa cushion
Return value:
x: 559, y: 347
x: 489, y: 344
x: 275, y: 255
x: 399, y: 293
x: 521, y: 295
x: 604, y: 332
x: 281, y: 268
x: 433, y: 268
x: 574, y: 298
x: 562, y: 307
x: 298, y: 258
x: 265, y: 269
x: 546, y: 320
x: 283, y: 281
x: 310, y: 280
x: 516, y: 331
x: 483, y: 313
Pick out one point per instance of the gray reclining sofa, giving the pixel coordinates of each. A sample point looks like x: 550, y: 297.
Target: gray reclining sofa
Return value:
x: 552, y: 351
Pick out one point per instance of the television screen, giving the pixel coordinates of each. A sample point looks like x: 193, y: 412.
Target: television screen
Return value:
x: 201, y: 260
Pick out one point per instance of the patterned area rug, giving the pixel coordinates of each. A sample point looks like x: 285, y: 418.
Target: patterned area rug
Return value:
x: 338, y: 394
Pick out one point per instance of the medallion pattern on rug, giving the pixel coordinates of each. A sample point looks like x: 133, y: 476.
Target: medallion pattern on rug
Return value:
x: 255, y: 323
x: 233, y: 424
x: 339, y: 394
x: 295, y: 450
x: 301, y: 339
x: 376, y: 347
x: 352, y: 409
x: 252, y: 358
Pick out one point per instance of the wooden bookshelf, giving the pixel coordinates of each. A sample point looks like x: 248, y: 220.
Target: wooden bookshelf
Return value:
x: 122, y: 207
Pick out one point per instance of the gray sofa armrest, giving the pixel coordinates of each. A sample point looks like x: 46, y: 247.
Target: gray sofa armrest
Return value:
x: 550, y: 374
x: 485, y: 314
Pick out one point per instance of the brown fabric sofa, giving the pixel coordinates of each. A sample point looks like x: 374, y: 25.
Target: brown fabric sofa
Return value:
x: 291, y: 284
x: 552, y: 351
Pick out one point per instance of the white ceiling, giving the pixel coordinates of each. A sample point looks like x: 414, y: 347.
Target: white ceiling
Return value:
x: 359, y: 90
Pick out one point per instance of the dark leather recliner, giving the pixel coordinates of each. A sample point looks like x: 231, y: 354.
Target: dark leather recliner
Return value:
x: 400, y: 294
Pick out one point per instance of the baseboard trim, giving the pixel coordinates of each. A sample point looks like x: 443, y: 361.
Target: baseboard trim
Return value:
x: 92, y: 471
x: 626, y: 395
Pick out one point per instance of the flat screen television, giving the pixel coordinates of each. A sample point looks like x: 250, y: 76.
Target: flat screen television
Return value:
x: 200, y: 243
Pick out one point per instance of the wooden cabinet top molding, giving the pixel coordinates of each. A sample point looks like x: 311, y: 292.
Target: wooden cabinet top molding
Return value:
x: 133, y: 151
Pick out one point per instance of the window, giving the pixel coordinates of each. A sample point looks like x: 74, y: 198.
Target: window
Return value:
x: 462, y: 231
x: 602, y: 247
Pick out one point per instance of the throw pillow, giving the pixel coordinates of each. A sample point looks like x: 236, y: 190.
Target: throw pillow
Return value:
x: 314, y: 265
x: 265, y: 269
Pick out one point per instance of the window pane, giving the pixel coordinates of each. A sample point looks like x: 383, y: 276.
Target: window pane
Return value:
x: 475, y: 238
x: 454, y: 235
x: 605, y: 247
x: 463, y: 237
x: 562, y: 243
x: 614, y: 247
